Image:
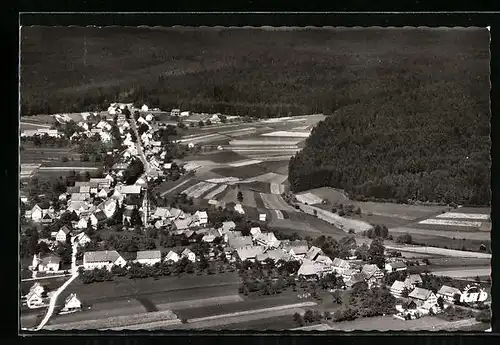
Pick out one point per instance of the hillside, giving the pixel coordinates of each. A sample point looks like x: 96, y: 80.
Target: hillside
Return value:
x: 235, y: 71
x: 428, y: 139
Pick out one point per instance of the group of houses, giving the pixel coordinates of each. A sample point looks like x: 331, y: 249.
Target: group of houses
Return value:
x: 38, y: 297
x: 29, y: 133
x: 424, y: 301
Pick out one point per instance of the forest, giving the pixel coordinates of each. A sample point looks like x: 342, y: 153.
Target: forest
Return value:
x: 428, y: 140
x: 232, y: 71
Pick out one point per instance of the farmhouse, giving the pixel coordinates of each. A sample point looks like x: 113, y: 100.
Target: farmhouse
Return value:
x: 354, y: 279
x: 412, y: 281
x: 34, y: 298
x: 172, y: 257
x: 236, y: 242
x: 36, y: 213
x: 201, y: 217
x: 102, y: 259
x: 262, y: 217
x: 187, y: 253
x: 175, y: 112
x: 82, y: 239
x: 177, y: 213
x: 148, y: 257
x: 313, y: 253
x: 62, y: 234
x: 308, y: 270
x: 104, y: 182
x: 128, y: 189
x: 324, y: 259
x: 274, y: 254
x: 161, y: 213
x: 397, y: 288
x: 372, y: 270
x: 49, y: 263
x: 423, y: 296
x: 340, y: 265
x: 448, y: 293
x: 249, y: 252
x: 108, y: 207
x: 395, y: 266
x: 267, y: 239
x: 72, y: 303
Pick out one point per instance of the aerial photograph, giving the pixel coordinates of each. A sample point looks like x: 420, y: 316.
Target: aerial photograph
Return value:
x: 254, y: 178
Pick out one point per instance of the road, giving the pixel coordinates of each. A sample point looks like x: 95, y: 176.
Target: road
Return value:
x: 138, y: 145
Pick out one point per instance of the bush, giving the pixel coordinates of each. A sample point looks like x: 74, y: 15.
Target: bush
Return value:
x: 484, y: 316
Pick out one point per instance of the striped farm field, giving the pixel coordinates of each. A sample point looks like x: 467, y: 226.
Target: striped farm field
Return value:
x: 248, y: 198
x: 470, y: 235
x: 457, y: 215
x: 229, y: 195
x: 189, y: 190
x: 224, y: 180
x: 308, y: 198
x: 256, y: 186
x: 215, y: 192
x: 262, y: 141
x: 269, y: 177
x: 172, y: 187
x: 287, y: 134
x: 202, y: 190
x: 451, y: 228
x: 450, y: 222
x: 245, y: 163
x: 275, y: 202
x: 258, y: 201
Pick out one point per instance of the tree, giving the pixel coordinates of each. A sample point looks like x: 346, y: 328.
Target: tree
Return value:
x: 309, y: 316
x: 201, y: 123
x: 405, y: 292
x: 135, y: 218
x: 406, y: 239
x: 376, y: 253
x: 362, y: 252
x: 298, y: 319
x: 337, y: 297
x: 240, y: 196
x: 440, y: 302
x: 456, y: 299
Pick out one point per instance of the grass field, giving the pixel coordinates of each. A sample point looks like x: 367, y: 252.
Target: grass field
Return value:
x: 225, y: 156
x: 241, y: 172
x: 464, y: 273
x: 469, y: 235
x: 277, y: 323
x: 442, y: 242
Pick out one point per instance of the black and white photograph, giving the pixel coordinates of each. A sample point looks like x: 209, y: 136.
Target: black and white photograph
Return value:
x: 254, y: 178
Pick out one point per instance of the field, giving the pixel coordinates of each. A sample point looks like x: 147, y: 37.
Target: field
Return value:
x: 389, y: 323
x: 32, y: 154
x: 469, y: 235
x: 438, y: 251
x: 464, y: 273
x: 215, y: 192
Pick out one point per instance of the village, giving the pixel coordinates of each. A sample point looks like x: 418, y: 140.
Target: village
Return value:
x: 121, y: 201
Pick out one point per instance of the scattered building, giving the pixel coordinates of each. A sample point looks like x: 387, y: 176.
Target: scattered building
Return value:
x: 395, y: 266
x: 102, y: 259
x: 148, y: 257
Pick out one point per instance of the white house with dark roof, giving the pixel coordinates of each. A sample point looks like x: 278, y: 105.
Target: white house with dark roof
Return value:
x: 102, y: 259
x: 48, y: 263
x: 423, y: 296
x: 372, y: 271
x: 412, y: 281
x: 250, y: 252
x: 268, y: 239
x: 72, y: 303
x: 201, y: 218
x: 82, y: 239
x: 395, y: 266
x: 448, y: 293
x: 255, y: 231
x: 313, y: 253
x: 148, y: 257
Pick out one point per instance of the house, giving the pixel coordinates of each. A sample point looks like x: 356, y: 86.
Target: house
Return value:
x: 62, y: 234
x: 448, y: 293
x: 262, y: 217
x: 82, y: 239
x: 72, y: 303
x: 255, y: 231
x: 249, y: 252
x: 34, y: 297
x: 149, y: 117
x: 144, y: 108
x: 187, y: 253
x: 201, y: 217
x: 230, y: 234
x: 102, y: 259
x: 397, y: 288
x: 185, y: 113
x: 175, y: 112
x: 236, y: 242
x: 177, y: 213
x: 346, y: 274
x: 82, y: 223
x: 172, y: 257
x: 108, y: 207
x: 181, y: 224
x: 274, y: 254
x: 62, y: 197
x: 395, y: 266
x: 308, y: 270
x: 167, y: 166
x: 372, y: 271
x: 49, y: 263
x: 97, y: 217
x: 102, y: 193
x: 268, y: 239
x: 128, y: 189
x: 324, y: 260
x: 354, y: 279
x: 80, y: 196
x: 297, y: 248
x: 209, y: 238
x: 412, y: 281
x: 148, y: 257
x: 313, y: 253
x: 161, y: 213
x: 423, y: 296
x: 36, y: 213
x: 104, y: 182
